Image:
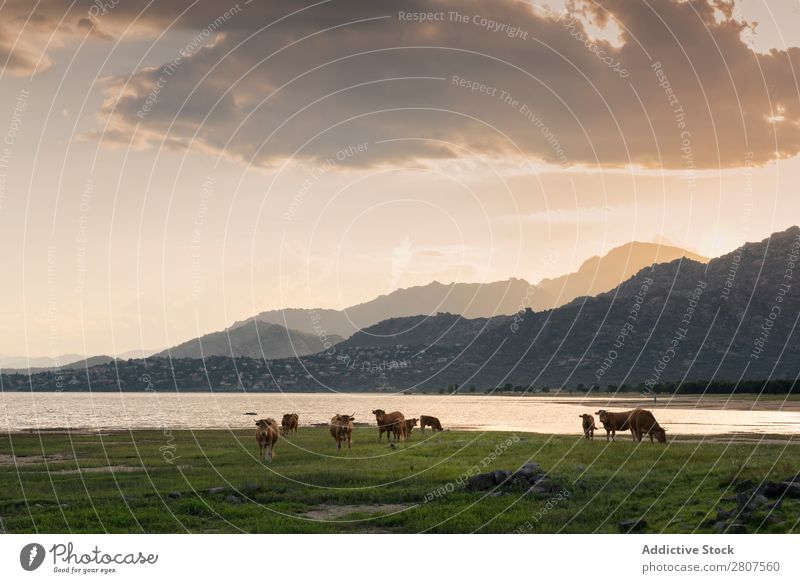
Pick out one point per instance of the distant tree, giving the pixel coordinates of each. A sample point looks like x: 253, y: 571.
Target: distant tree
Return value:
x: 472, y: 388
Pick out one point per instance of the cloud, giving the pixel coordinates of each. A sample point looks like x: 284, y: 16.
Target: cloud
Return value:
x: 19, y: 56
x: 676, y: 87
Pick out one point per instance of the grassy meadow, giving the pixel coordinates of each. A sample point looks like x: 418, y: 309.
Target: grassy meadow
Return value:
x: 212, y: 481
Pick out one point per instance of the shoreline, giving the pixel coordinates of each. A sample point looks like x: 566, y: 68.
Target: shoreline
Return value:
x: 744, y: 437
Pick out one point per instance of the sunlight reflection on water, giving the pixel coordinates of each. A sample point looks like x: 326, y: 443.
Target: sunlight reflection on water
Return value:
x: 559, y: 415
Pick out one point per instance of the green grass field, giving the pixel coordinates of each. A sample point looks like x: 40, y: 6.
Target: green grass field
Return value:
x: 57, y: 482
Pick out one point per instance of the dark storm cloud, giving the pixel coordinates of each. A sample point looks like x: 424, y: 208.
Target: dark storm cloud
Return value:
x: 681, y: 91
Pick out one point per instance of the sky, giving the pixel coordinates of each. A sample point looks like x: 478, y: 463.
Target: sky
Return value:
x: 169, y: 168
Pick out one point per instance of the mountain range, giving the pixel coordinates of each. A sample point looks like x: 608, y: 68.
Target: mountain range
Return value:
x: 733, y: 318
x: 471, y: 300
x: 254, y: 339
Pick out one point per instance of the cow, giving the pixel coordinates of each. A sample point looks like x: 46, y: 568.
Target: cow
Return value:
x: 393, y: 423
x: 289, y: 423
x: 410, y: 424
x: 613, y: 422
x: 342, y: 430
x: 643, y: 423
x: 588, y: 426
x: 266, y: 437
x: 428, y: 421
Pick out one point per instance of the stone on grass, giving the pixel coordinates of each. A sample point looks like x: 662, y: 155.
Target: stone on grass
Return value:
x: 632, y: 525
x: 481, y: 481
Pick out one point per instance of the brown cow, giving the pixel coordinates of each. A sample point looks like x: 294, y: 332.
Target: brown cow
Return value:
x: 588, y: 426
x: 266, y: 437
x: 410, y: 424
x: 428, y: 421
x: 342, y: 430
x: 393, y: 423
x: 289, y: 423
x: 643, y: 422
x: 613, y: 422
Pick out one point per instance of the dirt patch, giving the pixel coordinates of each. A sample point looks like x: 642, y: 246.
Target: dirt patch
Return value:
x: 20, y: 460
x: 102, y: 470
x: 108, y: 470
x: 333, y: 512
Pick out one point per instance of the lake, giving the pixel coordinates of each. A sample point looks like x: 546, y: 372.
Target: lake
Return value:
x: 712, y: 415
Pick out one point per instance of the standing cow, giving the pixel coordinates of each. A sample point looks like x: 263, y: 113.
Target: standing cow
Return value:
x: 266, y: 436
x: 289, y: 423
x: 410, y: 424
x: 393, y: 423
x: 613, y: 422
x: 588, y: 426
x: 342, y: 430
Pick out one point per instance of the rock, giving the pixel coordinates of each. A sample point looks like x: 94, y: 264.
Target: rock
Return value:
x: 500, y: 476
x: 632, y: 525
x: 784, y: 489
x: 737, y: 528
x: 529, y: 469
x: 791, y: 489
x: 580, y: 468
x: 518, y: 482
x: 231, y: 499
x: 174, y: 495
x: 751, y: 501
x: 481, y: 481
x: 250, y: 488
x: 720, y: 526
x: 128, y: 498
x: 217, y: 490
x: 724, y: 514
x: 545, y: 484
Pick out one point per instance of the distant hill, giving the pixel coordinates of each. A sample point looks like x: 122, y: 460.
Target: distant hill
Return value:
x: 81, y: 363
x: 474, y: 300
x: 10, y: 362
x: 253, y: 339
x: 601, y: 274
x: 469, y: 299
x: 732, y: 318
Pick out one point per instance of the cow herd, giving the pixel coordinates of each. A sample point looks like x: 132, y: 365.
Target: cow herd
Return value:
x: 640, y: 422
x: 394, y: 424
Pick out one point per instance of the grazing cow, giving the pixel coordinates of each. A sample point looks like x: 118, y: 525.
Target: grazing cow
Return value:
x: 643, y: 423
x: 393, y: 423
x: 266, y: 437
x: 428, y: 421
x: 613, y: 422
x: 289, y: 423
x: 588, y: 426
x: 410, y: 424
x: 342, y: 430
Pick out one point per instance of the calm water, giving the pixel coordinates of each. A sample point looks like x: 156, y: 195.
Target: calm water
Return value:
x: 21, y: 411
